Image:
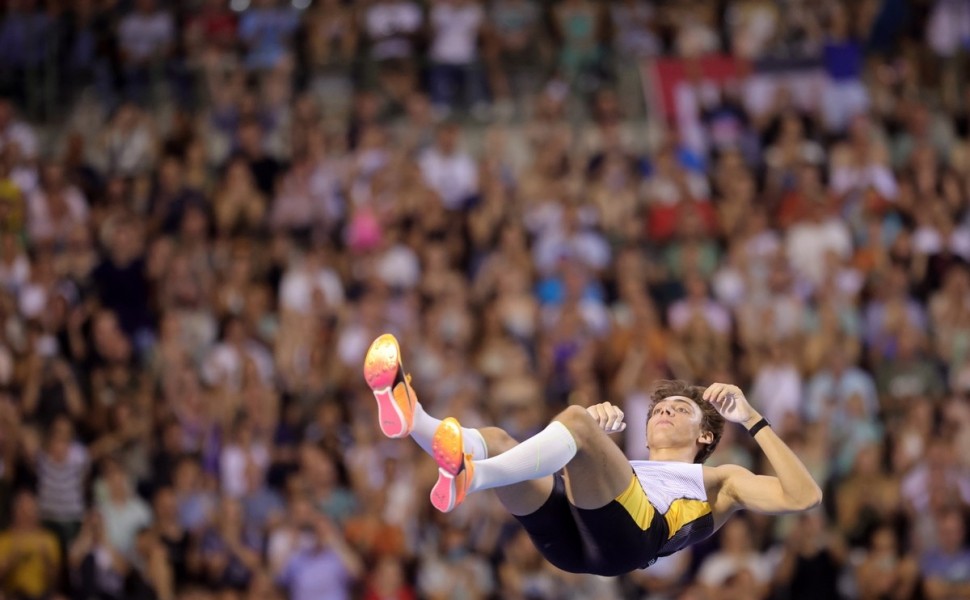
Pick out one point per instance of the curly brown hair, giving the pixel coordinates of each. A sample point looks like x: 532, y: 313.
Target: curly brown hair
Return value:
x: 711, y: 421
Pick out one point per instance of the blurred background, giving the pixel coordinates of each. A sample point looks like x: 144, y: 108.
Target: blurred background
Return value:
x: 209, y: 208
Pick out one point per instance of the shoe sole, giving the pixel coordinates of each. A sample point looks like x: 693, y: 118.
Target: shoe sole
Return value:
x: 382, y: 369
x: 448, y: 451
x: 447, y: 446
x: 444, y: 494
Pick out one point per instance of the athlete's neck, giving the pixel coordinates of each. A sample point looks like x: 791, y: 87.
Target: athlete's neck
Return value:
x: 673, y: 454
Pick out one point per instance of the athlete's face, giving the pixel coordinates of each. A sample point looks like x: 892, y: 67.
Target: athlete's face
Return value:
x: 675, y: 422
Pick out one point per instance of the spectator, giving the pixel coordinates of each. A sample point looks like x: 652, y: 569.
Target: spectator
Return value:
x: 56, y: 208
x: 97, y: 568
x: 909, y: 373
x: 176, y: 540
x: 262, y: 505
x: 387, y: 580
x: 151, y: 574
x: 867, y: 497
x: 829, y: 391
x: 307, y: 281
x: 122, y: 281
x: 128, y: 143
x: 813, y: 559
x: 265, y: 168
x: 578, y: 24
x: 244, y: 451
x: 451, y: 567
x: 845, y: 95
x: 456, y: 29
x: 266, y: 31
x: 239, y: 205
x: 827, y: 233
x: 62, y: 469
x: 697, y: 304
x: 172, y: 198
x: 309, y: 196
x: 947, y: 568
x: 514, y: 51
x: 392, y: 26
x: 29, y: 556
x: 14, y: 132
x: 122, y: 513
x: 195, y: 505
x: 214, y: 28
x: 777, y: 386
x: 886, y: 570
x: 146, y: 37
x: 22, y: 38
x: 229, y: 556
x: 735, y: 557
x: 449, y: 170
x: 324, y: 567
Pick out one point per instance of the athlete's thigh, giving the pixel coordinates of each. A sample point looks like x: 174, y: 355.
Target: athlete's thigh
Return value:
x: 554, y: 531
x: 600, y: 471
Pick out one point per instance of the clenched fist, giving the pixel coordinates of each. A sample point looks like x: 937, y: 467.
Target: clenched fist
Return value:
x: 608, y: 417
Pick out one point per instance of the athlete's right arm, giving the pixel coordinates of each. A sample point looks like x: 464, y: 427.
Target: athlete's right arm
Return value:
x: 792, y: 489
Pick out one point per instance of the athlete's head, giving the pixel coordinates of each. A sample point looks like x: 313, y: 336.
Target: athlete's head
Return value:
x: 680, y: 417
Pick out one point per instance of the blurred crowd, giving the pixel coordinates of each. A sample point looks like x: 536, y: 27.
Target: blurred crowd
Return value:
x: 209, y: 209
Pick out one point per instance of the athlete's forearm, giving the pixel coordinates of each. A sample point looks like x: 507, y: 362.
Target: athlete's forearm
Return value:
x: 796, y: 482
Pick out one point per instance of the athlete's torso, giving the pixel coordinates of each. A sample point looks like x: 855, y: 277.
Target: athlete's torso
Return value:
x: 677, y: 491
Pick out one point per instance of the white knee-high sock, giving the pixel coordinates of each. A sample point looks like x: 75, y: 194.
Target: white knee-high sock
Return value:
x: 543, y: 454
x: 425, y: 426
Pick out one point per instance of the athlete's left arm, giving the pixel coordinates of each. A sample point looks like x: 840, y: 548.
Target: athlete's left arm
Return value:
x: 792, y: 490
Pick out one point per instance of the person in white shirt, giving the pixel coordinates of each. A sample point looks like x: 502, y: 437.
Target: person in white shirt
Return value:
x: 310, y: 280
x: 450, y: 171
x: 15, y: 132
x: 456, y: 27
x: 736, y: 554
x: 56, y: 208
x: 808, y: 243
x: 391, y: 26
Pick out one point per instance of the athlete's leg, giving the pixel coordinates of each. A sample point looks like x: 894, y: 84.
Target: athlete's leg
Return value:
x: 600, y: 471
x: 425, y: 425
x: 399, y: 412
x: 519, y: 498
x: 601, y: 474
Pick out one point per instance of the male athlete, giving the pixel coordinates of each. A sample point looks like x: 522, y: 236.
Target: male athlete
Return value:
x: 586, y: 507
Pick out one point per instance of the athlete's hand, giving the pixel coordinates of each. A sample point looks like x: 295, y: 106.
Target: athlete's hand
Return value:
x: 608, y: 417
x: 729, y: 400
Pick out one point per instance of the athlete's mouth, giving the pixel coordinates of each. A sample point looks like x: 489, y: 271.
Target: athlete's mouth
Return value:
x: 664, y: 422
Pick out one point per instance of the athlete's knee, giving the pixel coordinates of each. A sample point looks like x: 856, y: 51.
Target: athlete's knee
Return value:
x: 497, y: 440
x: 580, y: 424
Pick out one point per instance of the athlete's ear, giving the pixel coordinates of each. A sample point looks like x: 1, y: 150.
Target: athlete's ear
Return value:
x: 706, y: 438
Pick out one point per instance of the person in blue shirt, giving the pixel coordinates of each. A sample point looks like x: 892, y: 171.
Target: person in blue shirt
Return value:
x: 946, y: 568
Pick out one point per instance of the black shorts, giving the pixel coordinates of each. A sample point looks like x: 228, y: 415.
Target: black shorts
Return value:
x: 623, y: 536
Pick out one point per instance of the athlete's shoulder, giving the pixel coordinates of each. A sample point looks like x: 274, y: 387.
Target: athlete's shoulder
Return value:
x: 717, y: 476
x: 725, y: 470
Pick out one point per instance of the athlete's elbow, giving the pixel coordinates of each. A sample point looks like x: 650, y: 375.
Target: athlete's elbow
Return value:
x: 808, y: 500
